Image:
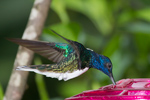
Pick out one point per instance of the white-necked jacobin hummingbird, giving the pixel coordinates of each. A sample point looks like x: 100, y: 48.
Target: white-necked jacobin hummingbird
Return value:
x: 71, y: 59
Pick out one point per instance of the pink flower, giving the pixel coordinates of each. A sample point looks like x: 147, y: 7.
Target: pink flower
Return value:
x: 126, y: 89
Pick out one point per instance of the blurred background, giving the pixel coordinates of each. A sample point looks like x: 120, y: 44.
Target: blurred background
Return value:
x: 118, y: 29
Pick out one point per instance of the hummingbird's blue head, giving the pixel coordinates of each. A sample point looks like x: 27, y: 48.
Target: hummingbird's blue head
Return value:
x: 104, y: 64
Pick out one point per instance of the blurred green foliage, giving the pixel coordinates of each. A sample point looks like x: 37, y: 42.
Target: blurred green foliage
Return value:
x: 1, y: 92
x: 119, y: 29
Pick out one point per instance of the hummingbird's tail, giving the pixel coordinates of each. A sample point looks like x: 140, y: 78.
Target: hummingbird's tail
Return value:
x: 50, y: 70
x: 41, y: 68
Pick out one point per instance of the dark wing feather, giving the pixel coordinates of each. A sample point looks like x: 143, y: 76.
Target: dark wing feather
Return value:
x: 45, y: 49
x: 49, y: 50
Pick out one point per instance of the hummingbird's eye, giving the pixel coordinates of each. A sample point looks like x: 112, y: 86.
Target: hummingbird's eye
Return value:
x: 109, y: 65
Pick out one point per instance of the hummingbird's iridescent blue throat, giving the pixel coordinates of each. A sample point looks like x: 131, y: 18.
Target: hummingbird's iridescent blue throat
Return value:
x: 71, y: 60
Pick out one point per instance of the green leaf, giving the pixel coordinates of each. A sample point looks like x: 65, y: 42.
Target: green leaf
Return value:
x: 120, y: 63
x: 70, y: 31
x: 59, y: 7
x: 96, y: 10
x: 144, y: 14
x: 125, y: 17
x: 72, y: 87
x: 142, y: 42
x: 138, y: 27
x: 112, y: 46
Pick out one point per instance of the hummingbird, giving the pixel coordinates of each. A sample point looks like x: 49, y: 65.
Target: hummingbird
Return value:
x: 70, y: 59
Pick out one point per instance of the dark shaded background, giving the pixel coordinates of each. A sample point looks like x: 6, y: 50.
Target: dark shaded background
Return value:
x: 118, y: 29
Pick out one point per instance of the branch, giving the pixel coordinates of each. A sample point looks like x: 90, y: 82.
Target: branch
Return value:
x: 17, y: 82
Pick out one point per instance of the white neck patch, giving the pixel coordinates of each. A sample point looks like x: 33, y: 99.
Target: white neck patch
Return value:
x: 89, y: 49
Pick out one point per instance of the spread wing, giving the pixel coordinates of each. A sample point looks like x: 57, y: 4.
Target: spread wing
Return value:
x: 52, y: 51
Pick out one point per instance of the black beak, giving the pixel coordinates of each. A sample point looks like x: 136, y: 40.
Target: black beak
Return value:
x: 112, y: 79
